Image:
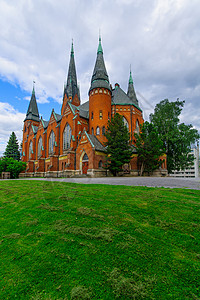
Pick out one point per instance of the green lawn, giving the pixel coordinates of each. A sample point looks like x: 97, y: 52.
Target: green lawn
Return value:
x: 72, y: 241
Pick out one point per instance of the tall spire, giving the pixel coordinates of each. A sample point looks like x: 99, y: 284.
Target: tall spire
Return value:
x: 100, y: 76
x: 131, y: 91
x: 71, y: 88
x: 32, y: 112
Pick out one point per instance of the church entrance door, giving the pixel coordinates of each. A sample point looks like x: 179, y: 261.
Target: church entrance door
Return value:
x: 85, y: 163
x: 85, y: 167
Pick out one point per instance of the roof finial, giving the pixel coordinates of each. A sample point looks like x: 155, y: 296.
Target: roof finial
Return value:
x: 130, y: 77
x: 72, y: 49
x: 33, y: 92
x: 100, y: 50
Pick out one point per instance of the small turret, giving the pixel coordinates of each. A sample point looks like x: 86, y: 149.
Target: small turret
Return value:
x: 131, y: 91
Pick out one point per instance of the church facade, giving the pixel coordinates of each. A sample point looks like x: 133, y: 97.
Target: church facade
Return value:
x: 72, y: 142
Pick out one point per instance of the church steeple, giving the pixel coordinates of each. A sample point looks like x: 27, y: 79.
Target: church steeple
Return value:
x: 71, y: 88
x: 32, y: 112
x: 131, y: 91
x: 100, y: 75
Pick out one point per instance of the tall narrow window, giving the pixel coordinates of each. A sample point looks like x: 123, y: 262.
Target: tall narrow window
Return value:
x: 67, y: 134
x: 103, y: 130
x: 92, y: 131
x: 39, y: 147
x: 51, y: 142
x: 92, y: 116
x: 125, y: 123
x: 137, y: 127
x: 100, y: 115
x: 97, y: 131
x: 30, y: 149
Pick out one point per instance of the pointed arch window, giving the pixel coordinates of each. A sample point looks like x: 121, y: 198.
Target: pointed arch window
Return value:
x: 51, y: 142
x: 92, y: 131
x: 125, y: 123
x: 97, y: 131
x: 137, y: 128
x: 30, y: 149
x: 40, y: 147
x: 103, y: 130
x: 67, y: 134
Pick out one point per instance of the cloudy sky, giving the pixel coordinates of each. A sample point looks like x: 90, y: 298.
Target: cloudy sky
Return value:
x: 160, y: 39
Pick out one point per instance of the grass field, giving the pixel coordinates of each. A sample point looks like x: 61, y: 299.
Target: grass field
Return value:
x: 71, y: 241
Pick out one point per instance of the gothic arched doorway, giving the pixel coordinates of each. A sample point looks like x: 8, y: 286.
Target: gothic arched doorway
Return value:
x: 85, y: 163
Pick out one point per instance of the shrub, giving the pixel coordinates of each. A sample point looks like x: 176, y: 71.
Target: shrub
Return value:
x: 11, y: 165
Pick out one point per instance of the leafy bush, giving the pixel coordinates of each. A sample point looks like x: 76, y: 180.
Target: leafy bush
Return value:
x: 11, y: 165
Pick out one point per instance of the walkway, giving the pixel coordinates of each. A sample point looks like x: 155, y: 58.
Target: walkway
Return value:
x: 167, y: 182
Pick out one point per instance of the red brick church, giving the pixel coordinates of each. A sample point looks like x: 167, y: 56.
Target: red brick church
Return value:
x: 72, y: 142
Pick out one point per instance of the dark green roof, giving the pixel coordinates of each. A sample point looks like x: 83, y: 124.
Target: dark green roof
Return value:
x: 32, y: 112
x: 119, y: 97
x: 84, y: 110
x: 95, y: 142
x: 100, y: 76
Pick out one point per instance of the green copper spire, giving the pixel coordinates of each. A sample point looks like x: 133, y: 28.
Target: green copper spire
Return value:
x: 100, y: 49
x: 130, y: 78
x: 100, y: 76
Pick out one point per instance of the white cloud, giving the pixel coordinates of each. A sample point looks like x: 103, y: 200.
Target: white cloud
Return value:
x: 10, y: 120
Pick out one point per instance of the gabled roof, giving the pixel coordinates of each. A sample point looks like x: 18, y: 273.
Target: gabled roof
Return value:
x: 32, y: 112
x: 35, y: 129
x: 57, y: 117
x: 119, y: 97
x: 84, y: 110
x: 73, y: 107
x: 100, y: 76
x: 45, y: 123
x: 95, y: 142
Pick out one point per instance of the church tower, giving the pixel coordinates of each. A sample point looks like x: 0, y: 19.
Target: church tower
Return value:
x: 71, y: 89
x: 99, y: 98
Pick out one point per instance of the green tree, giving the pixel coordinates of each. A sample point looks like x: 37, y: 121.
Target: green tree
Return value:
x: 118, y: 149
x: 9, y: 164
x: 177, y: 138
x: 12, y: 148
x: 149, y: 148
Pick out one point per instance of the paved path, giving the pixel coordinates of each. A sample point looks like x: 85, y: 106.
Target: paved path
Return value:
x: 167, y: 182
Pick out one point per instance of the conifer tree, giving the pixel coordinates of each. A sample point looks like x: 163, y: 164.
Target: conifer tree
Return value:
x: 118, y: 149
x: 12, y: 148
